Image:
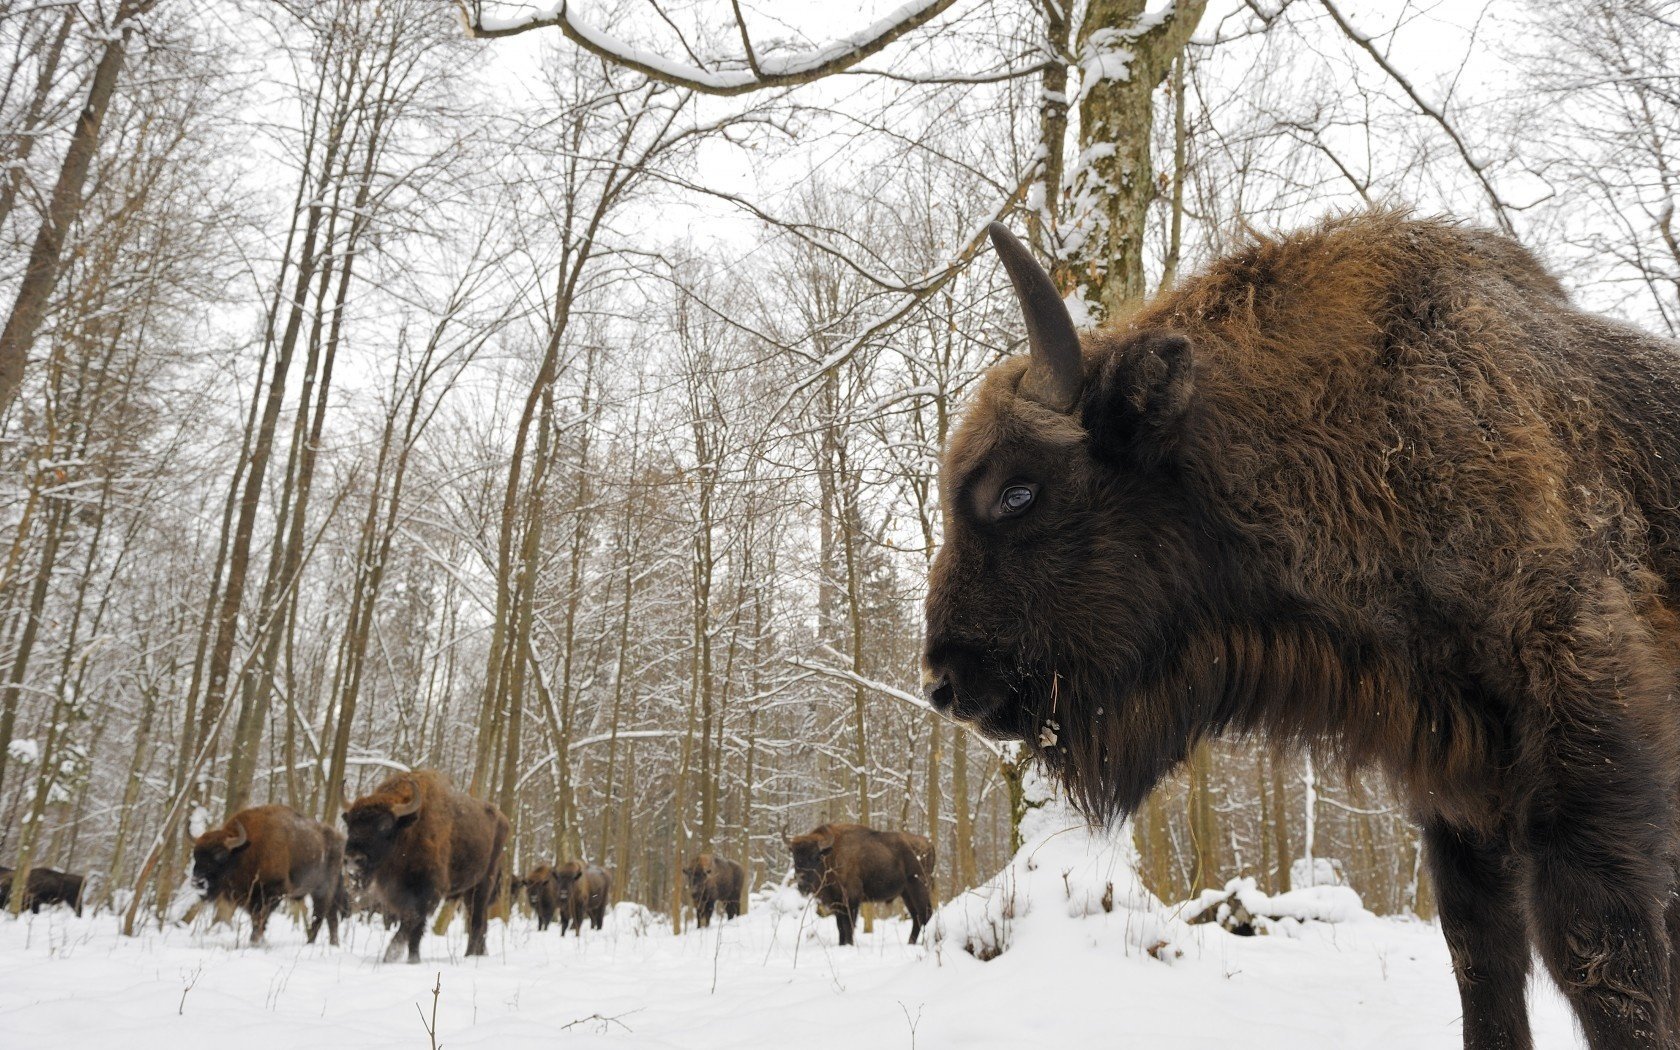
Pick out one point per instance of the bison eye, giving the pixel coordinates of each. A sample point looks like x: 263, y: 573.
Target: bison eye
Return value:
x: 1015, y: 499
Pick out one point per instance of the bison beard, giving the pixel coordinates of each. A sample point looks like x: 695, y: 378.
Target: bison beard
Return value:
x: 416, y: 842
x: 268, y: 854
x: 1379, y: 489
x: 848, y: 865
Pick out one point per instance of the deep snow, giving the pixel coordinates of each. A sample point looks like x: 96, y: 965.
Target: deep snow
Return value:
x: 1073, y: 975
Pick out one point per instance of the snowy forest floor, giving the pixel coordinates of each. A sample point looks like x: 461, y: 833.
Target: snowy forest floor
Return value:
x: 771, y: 978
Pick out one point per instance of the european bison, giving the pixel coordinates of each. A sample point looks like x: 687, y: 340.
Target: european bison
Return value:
x: 542, y: 889
x: 1375, y: 487
x: 268, y: 854
x: 847, y: 865
x: 583, y: 892
x: 417, y: 842
x: 45, y: 886
x: 714, y: 880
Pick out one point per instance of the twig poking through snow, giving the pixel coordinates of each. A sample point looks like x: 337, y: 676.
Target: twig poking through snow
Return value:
x: 431, y: 1026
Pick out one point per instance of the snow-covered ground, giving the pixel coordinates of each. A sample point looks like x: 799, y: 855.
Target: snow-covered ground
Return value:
x: 773, y: 978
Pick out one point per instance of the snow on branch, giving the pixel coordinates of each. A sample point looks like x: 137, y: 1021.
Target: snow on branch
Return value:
x: 738, y: 75
x: 841, y: 674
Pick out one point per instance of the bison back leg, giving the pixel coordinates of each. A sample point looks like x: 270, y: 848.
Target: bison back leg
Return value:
x: 322, y: 904
x: 1601, y: 877
x: 598, y: 916
x: 478, y: 916
x: 919, y: 905
x: 1479, y: 898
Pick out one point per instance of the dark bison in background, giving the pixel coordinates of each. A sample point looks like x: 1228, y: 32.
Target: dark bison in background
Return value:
x: 268, y: 854
x: 45, y: 886
x: 713, y: 881
x: 583, y: 892
x: 1378, y: 488
x: 416, y: 842
x: 542, y: 890
x: 846, y: 865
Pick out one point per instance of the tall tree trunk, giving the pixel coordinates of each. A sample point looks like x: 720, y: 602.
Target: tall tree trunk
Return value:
x: 40, y: 275
x: 1124, y: 52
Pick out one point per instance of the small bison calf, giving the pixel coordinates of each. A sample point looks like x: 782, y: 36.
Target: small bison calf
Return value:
x: 846, y: 865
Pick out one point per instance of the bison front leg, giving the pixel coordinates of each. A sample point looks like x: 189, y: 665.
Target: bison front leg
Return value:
x: 262, y: 905
x: 703, y: 913
x: 1478, y: 895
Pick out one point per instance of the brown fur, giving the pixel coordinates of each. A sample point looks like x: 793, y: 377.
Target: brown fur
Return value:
x: 46, y: 886
x: 1377, y: 488
x: 542, y: 890
x: 450, y: 848
x: 584, y: 891
x: 285, y: 856
x: 847, y: 865
x: 714, y: 881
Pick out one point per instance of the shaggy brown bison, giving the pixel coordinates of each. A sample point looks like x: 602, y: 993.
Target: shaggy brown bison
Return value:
x: 846, y: 865
x: 45, y: 886
x: 542, y: 890
x: 417, y: 842
x: 1378, y: 488
x: 583, y: 892
x: 714, y: 880
x: 269, y: 854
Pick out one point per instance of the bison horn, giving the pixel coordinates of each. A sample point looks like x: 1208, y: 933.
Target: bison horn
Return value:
x: 412, y: 806
x: 787, y: 840
x: 1058, y: 368
x: 238, y: 838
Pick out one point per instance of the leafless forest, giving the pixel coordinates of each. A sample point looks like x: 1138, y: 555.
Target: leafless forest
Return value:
x: 554, y: 399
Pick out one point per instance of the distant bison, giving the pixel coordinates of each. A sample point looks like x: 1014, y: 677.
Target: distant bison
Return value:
x: 1376, y: 487
x: 417, y: 842
x: 583, y: 893
x: 846, y: 865
x: 46, y: 886
x: 542, y: 890
x: 714, y: 880
x: 269, y: 854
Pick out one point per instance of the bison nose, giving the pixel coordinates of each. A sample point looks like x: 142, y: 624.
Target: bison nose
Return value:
x: 939, y: 692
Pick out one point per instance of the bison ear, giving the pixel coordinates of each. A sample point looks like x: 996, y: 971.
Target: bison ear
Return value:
x: 1141, y: 395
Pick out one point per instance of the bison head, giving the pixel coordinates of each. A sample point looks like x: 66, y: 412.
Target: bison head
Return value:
x: 565, y: 875
x: 698, y: 871
x: 371, y: 826
x: 810, y: 859
x: 541, y: 876
x: 1073, y: 558
x: 214, y: 854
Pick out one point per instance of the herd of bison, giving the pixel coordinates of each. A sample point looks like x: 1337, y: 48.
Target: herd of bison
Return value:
x: 415, y: 842
x: 1377, y: 487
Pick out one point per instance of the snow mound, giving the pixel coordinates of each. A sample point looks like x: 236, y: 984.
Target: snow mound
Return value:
x: 1072, y: 886
x: 1243, y: 908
